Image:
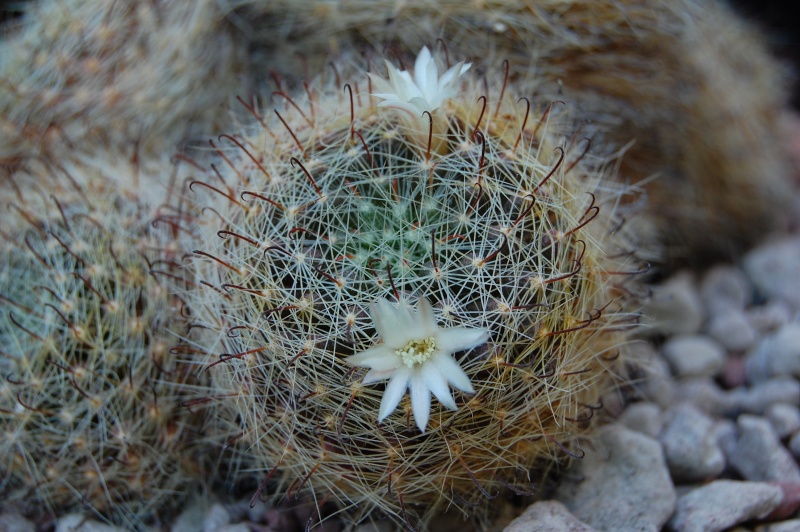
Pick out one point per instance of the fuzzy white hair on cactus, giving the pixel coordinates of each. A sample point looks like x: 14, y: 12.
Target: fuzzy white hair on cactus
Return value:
x: 416, y: 355
x: 426, y: 91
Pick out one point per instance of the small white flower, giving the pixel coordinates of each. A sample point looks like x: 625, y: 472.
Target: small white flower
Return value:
x: 416, y: 355
x: 426, y: 91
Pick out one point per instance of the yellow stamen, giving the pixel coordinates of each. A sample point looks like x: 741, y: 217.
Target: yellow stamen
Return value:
x: 417, y: 351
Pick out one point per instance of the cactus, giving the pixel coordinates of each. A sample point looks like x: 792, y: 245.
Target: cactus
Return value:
x: 495, y: 224
x: 687, y: 83
x: 113, y: 73
x: 90, y: 414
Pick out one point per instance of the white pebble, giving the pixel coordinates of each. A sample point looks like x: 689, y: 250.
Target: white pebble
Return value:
x: 794, y: 445
x: 726, y: 434
x: 759, y: 455
x: 732, y: 330
x: 758, y: 398
x: 775, y: 269
x: 704, y: 394
x: 216, y: 517
x: 675, y: 307
x: 82, y: 523
x: 725, y: 287
x: 770, y: 316
x: 544, y: 516
x: 690, y: 448
x: 777, y: 354
x: 723, y: 504
x: 643, y: 417
x: 694, y: 356
x: 11, y: 522
x: 657, y: 384
x: 785, y: 419
x: 792, y: 525
x: 621, y: 484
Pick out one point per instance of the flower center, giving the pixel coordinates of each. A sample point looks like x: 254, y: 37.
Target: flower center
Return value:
x: 417, y: 351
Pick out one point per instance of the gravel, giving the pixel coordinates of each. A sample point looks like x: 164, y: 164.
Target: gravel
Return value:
x: 759, y: 455
x: 690, y: 448
x: 623, y: 483
x: 720, y: 397
x: 777, y: 354
x: 774, y: 269
x: 546, y: 516
x: 723, y: 504
x: 694, y: 356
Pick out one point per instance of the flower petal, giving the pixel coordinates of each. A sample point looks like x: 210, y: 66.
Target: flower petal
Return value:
x: 379, y: 357
x: 374, y: 375
x: 422, y: 69
x: 406, y: 107
x: 394, y: 392
x: 380, y: 85
x: 425, y: 320
x: 422, y: 105
x: 438, y: 385
x: 450, y: 369
x: 384, y: 317
x: 452, y: 74
x: 420, y: 400
x: 405, y: 319
x: 456, y: 339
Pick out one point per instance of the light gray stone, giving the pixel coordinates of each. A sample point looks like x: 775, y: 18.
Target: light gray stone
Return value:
x: 657, y: 385
x: 723, y: 504
x: 191, y: 519
x: 11, y: 522
x: 770, y: 316
x: 546, y: 516
x: 724, y: 288
x: 675, y: 307
x: 732, y: 330
x: 694, y: 356
x: 794, y: 445
x: 238, y: 527
x: 215, y: 518
x: 776, y: 355
x: 643, y: 417
x: 624, y: 483
x: 792, y: 525
x: 82, y: 523
x: 759, y: 455
x: 704, y: 394
x: 726, y: 434
x: 785, y: 419
x: 689, y: 445
x: 756, y: 399
x: 774, y: 269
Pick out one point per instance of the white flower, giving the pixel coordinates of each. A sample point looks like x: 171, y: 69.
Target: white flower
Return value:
x: 426, y: 91
x: 415, y: 355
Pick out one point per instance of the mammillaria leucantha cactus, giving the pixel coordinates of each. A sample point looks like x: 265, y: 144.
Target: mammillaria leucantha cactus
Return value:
x: 489, y: 248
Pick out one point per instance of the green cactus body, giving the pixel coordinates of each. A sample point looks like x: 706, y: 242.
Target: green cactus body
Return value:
x: 503, y: 227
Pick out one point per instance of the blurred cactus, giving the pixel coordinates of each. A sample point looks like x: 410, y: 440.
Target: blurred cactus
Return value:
x: 90, y: 413
x: 90, y: 75
x: 686, y: 85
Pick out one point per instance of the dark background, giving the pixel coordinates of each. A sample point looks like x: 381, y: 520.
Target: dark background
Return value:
x: 782, y: 30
